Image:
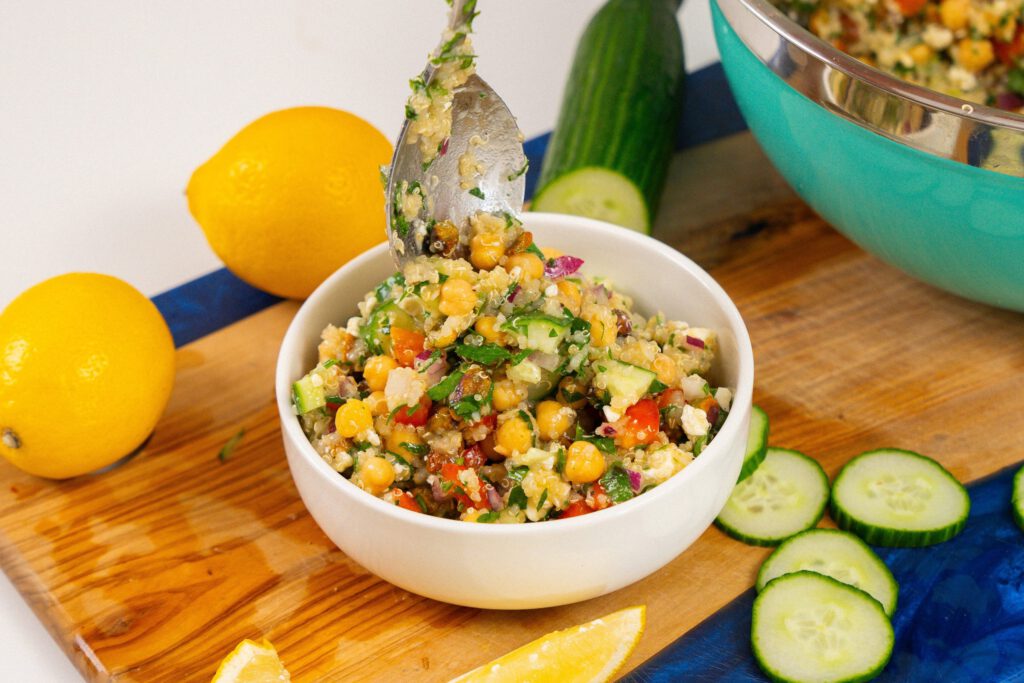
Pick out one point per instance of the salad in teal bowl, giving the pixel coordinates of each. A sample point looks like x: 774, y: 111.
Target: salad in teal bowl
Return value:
x: 929, y: 182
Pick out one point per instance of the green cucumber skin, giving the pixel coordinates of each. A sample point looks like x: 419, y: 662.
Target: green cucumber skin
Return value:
x: 772, y: 542
x: 751, y: 462
x: 760, y: 584
x: 1016, y: 502
x: 623, y: 98
x: 890, y: 537
x: 794, y: 576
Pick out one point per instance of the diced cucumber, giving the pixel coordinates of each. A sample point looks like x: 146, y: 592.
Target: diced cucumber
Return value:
x: 596, y: 193
x: 787, y: 494
x: 809, y: 628
x: 376, y: 331
x: 623, y: 380
x: 893, y: 497
x: 757, y: 442
x: 538, y: 332
x: 1018, y: 498
x: 834, y: 553
x: 308, y: 396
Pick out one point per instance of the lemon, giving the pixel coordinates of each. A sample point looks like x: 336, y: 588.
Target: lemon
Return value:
x: 293, y: 196
x: 86, y: 368
x: 591, y: 652
x: 252, y: 662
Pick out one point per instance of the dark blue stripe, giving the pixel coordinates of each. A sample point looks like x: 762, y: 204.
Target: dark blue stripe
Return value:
x: 959, y: 617
x: 213, y: 301
x: 206, y: 304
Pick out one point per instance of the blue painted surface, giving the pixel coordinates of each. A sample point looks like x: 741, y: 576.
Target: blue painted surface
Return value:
x: 955, y: 226
x: 218, y: 299
x: 209, y: 303
x: 959, y: 617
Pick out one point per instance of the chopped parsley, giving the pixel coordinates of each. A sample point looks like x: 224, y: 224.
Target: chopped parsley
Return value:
x: 520, y: 172
x: 228, y: 448
x: 486, y: 354
x: 616, y: 484
x: 477, y: 192
x: 442, y: 389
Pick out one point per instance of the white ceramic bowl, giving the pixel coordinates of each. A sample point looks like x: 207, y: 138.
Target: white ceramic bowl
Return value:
x: 521, y: 566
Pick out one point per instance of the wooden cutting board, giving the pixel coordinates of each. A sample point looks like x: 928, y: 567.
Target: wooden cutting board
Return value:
x: 155, y: 570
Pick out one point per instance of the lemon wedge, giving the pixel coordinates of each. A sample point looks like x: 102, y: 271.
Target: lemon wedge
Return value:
x: 252, y: 662
x: 590, y: 653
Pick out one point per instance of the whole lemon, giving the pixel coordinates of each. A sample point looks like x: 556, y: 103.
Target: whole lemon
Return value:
x: 292, y: 197
x: 86, y: 368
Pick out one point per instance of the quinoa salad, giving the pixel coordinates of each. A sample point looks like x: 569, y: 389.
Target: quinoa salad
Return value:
x: 508, y: 387
x: 972, y: 49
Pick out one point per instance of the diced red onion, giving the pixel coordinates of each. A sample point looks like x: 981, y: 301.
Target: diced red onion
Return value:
x: 494, y: 498
x: 601, y: 294
x: 423, y: 355
x: 444, y: 147
x: 713, y: 414
x: 605, y: 430
x: 545, y: 361
x: 635, y: 479
x: 695, y: 342
x: 436, y: 490
x: 435, y: 372
x: 515, y: 291
x: 562, y: 266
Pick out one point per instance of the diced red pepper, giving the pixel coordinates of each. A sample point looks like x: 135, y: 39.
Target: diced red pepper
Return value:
x: 576, y: 509
x: 909, y: 8
x: 599, y: 497
x: 639, y: 425
x: 671, y: 397
x: 489, y: 421
x: 405, y: 500
x: 406, y: 345
x: 417, y: 417
x: 450, y: 473
x: 473, y: 457
x: 1007, y: 53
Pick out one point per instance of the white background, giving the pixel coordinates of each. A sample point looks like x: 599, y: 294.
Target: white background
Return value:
x: 106, y: 107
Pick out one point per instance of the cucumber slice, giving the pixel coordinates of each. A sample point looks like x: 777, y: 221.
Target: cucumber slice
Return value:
x: 893, y: 497
x: 624, y: 381
x: 596, y: 193
x: 784, y: 496
x: 757, y: 442
x: 811, y: 628
x: 837, y: 554
x: 537, y: 331
x: 1018, y: 498
x: 307, y: 396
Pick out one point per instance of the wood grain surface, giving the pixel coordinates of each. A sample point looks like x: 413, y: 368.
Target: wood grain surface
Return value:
x: 153, y: 571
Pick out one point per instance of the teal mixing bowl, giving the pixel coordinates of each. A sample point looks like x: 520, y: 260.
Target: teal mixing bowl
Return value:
x: 927, y: 182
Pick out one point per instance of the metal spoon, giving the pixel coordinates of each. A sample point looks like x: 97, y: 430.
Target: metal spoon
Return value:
x: 482, y: 124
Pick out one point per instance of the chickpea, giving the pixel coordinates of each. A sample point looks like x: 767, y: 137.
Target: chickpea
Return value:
x: 514, y: 436
x: 471, y: 515
x: 569, y: 295
x: 665, y: 368
x: 604, y: 328
x: 583, y: 463
x: 400, y: 438
x: 507, y: 395
x: 953, y: 13
x: 487, y: 326
x: 376, y: 370
x: 377, y: 403
x: 921, y: 53
x: 377, y: 474
x: 353, y: 418
x: 486, y: 250
x: 530, y: 266
x: 457, y: 297
x: 554, y: 419
x: 572, y: 393
x: 975, y: 55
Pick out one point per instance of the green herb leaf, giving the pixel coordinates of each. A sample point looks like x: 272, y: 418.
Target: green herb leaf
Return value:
x: 486, y: 354
x: 410, y: 113
x: 543, y: 498
x: 520, y: 172
x: 442, y: 389
x: 400, y: 460
x: 329, y: 362
x: 421, y: 502
x: 698, y: 445
x: 616, y: 483
x: 228, y: 448
x: 560, y: 461
x: 477, y: 192
x: 517, y: 473
x: 415, y: 448
x: 334, y: 400
x: 535, y: 250
x: 520, y: 357
x: 383, y: 291
x: 488, y: 517
x: 517, y: 498
x: 656, y: 387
